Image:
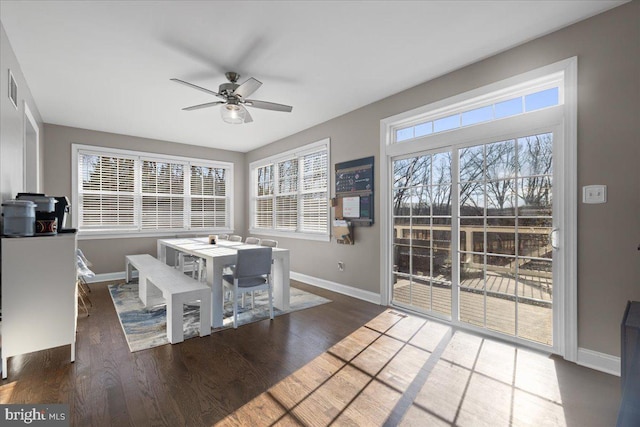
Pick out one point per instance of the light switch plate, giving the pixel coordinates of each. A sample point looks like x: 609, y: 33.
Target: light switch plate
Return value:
x: 594, y: 194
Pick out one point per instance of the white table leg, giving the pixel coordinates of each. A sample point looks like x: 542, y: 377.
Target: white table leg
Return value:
x: 4, y: 368
x: 281, y: 293
x: 161, y: 252
x: 214, y: 279
x: 127, y: 271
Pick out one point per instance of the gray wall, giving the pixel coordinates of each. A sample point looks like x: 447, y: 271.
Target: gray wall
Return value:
x: 107, y: 255
x: 12, y: 122
x: 353, y: 136
x: 608, y: 51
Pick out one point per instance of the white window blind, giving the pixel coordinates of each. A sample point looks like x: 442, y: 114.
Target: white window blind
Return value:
x: 129, y: 191
x: 314, y: 192
x: 264, y: 197
x: 107, y: 192
x: 291, y: 192
x: 162, y: 195
x: 209, y: 202
x: 287, y: 195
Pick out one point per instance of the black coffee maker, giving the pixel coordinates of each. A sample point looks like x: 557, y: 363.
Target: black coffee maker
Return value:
x: 62, y: 211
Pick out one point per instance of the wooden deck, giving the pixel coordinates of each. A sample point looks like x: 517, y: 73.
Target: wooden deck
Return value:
x: 534, y: 311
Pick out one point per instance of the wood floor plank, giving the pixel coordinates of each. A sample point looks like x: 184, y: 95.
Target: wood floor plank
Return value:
x: 354, y: 344
x: 347, y: 362
x: 371, y: 407
x: 298, y: 386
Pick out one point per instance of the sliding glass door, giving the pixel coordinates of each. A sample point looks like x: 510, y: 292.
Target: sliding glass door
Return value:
x: 422, y: 252
x: 472, y: 234
x: 505, y: 215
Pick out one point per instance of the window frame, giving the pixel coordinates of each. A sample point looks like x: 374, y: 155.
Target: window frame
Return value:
x: 487, y: 96
x: 563, y: 116
x: 297, y: 154
x: 137, y: 229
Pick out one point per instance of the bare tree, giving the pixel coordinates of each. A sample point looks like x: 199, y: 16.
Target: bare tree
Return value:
x: 441, y: 193
x: 406, y: 177
x: 535, y: 165
x: 500, y: 168
x: 471, y: 178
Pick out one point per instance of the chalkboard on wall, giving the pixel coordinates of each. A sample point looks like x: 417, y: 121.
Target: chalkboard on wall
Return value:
x: 354, y: 182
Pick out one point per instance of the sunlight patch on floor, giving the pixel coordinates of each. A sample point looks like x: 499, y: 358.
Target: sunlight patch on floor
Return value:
x: 405, y: 370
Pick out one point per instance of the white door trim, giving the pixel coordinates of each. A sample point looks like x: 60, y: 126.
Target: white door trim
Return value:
x: 28, y: 163
x: 566, y: 320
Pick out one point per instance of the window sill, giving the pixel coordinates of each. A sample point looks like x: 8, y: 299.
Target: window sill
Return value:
x: 124, y: 234
x: 290, y: 235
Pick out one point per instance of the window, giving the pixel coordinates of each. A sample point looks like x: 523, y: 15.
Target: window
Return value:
x: 209, y: 201
x: 125, y: 191
x: 290, y: 193
x: 535, y: 96
x: 162, y: 195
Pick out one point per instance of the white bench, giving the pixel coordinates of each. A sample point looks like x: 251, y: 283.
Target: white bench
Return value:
x: 177, y: 289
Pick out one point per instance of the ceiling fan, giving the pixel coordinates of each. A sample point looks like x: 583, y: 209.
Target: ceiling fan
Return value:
x: 235, y: 99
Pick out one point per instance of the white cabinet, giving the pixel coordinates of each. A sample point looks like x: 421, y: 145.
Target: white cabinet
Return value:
x: 39, y: 302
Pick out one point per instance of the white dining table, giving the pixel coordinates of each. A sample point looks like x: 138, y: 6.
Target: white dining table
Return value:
x: 222, y: 254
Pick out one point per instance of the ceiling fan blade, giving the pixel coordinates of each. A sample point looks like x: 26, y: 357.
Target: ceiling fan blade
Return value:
x: 199, y: 106
x: 268, y: 105
x: 247, y: 88
x: 197, y: 87
x: 247, y: 116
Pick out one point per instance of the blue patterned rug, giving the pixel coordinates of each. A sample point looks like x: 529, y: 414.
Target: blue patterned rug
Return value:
x: 147, y: 328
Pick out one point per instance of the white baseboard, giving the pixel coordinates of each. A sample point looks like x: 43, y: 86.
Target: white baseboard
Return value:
x: 337, y: 287
x: 314, y: 281
x: 599, y: 361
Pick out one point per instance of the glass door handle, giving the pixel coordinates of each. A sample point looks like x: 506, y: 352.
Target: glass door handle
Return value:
x: 553, y: 238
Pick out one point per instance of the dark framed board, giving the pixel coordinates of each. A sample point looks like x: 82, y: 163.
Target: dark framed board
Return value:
x: 354, y: 191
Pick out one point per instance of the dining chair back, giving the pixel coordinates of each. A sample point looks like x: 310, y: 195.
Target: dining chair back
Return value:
x: 191, y: 264
x: 252, y: 272
x: 235, y: 238
x: 252, y: 241
x: 270, y: 243
x: 223, y: 237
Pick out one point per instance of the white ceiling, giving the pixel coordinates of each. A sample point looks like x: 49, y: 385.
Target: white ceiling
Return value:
x: 106, y: 65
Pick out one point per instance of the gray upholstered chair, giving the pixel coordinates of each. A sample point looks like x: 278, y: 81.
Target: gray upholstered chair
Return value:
x: 270, y: 243
x: 252, y: 241
x: 252, y: 272
x: 262, y: 242
x: 235, y: 238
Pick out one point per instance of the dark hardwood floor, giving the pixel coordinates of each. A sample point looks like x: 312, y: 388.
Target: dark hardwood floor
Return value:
x: 197, y: 382
x: 344, y: 363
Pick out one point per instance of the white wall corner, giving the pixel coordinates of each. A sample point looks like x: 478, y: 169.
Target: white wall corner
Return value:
x: 599, y: 361
x: 337, y: 287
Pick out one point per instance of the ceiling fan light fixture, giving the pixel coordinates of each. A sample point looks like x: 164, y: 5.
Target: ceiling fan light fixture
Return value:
x: 232, y: 114
x: 234, y: 99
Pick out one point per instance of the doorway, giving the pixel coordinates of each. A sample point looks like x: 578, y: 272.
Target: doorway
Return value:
x: 473, y: 235
x: 480, y: 204
x: 31, y: 152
